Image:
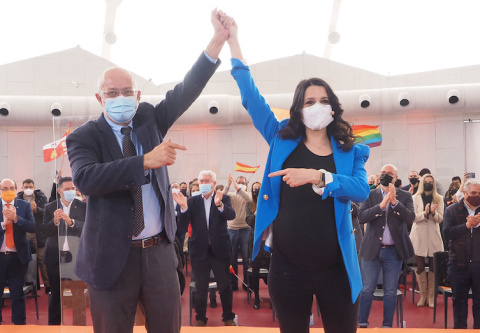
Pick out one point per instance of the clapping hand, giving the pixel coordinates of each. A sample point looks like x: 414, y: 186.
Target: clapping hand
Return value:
x: 218, y: 198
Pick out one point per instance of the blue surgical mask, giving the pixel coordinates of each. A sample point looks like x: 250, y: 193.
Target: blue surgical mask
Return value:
x: 121, y: 109
x: 205, y: 188
x: 194, y: 194
x: 69, y: 195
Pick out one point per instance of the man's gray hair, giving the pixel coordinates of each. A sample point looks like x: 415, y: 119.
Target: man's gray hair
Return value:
x: 208, y: 173
x: 469, y: 183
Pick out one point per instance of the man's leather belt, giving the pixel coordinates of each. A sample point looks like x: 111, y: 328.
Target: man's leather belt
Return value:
x: 147, y: 242
x: 384, y: 246
x: 8, y: 252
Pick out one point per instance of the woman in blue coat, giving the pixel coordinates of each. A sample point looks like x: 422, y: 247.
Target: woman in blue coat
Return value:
x: 313, y: 171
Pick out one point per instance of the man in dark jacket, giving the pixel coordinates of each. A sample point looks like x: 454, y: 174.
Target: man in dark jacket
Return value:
x: 37, y: 200
x: 388, y: 212
x: 460, y: 227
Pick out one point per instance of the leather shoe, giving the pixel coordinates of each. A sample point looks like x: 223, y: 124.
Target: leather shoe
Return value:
x: 200, y: 323
x: 256, y: 305
x: 230, y: 323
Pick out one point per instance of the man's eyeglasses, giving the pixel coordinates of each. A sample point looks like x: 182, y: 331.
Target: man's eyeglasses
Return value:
x: 116, y: 93
x: 5, y: 189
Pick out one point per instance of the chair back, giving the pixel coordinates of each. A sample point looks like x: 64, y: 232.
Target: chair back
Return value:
x: 32, y: 271
x: 440, y: 265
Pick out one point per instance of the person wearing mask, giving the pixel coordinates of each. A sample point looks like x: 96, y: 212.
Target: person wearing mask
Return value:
x: 16, y: 221
x: 238, y: 229
x: 314, y: 169
x: 262, y: 260
x: 450, y: 197
x: 184, y: 188
x: 120, y: 162
x: 413, y: 179
x: 462, y: 232
x: 426, y: 236
x: 37, y: 200
x: 388, y: 212
x: 372, y: 182
x: 64, y: 217
x: 209, y: 246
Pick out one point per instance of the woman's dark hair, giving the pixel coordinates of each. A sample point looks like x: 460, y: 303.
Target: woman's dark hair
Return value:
x: 338, y: 128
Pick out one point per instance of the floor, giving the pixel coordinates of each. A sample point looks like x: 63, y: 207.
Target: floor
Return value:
x: 415, y: 317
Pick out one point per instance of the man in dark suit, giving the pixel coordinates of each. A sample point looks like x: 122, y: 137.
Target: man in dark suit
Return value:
x: 209, y: 246
x: 17, y: 219
x: 126, y: 253
x: 64, y: 217
x: 388, y: 212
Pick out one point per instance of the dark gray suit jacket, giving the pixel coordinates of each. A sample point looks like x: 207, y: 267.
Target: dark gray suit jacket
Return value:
x: 77, y: 212
x: 216, y: 234
x: 100, y: 172
x: 398, y: 219
x: 25, y: 223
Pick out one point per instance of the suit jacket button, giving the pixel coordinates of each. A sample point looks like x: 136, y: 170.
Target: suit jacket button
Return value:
x: 265, y: 197
x: 380, y: 238
x: 383, y: 227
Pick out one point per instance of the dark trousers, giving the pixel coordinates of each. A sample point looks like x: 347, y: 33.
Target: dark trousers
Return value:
x: 54, y: 303
x: 461, y: 280
x: 13, y: 272
x: 150, y: 279
x: 291, y: 292
x: 201, y: 271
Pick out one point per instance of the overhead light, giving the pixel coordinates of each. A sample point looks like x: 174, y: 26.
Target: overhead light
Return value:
x: 4, y: 108
x: 56, y: 109
x: 453, y: 96
x: 364, y: 101
x: 404, y: 99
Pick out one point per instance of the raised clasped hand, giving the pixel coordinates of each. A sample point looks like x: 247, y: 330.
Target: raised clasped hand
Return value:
x: 180, y: 199
x: 218, y: 198
x: 10, y: 213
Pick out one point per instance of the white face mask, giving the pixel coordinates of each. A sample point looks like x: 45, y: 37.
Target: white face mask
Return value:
x: 28, y: 192
x: 317, y: 116
x: 242, y: 187
x: 79, y: 197
x: 194, y: 194
x: 175, y: 190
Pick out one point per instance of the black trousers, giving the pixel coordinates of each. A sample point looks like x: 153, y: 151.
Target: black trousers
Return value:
x: 291, y: 292
x: 54, y: 302
x: 201, y: 271
x: 13, y: 271
x: 461, y: 280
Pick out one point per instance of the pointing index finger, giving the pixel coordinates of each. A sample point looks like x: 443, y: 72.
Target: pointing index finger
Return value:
x: 277, y: 173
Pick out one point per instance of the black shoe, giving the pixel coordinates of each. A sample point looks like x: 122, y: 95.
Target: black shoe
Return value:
x: 256, y: 305
x: 47, y: 290
x: 213, y: 302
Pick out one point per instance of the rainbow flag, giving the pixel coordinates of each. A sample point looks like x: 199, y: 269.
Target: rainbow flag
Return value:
x: 370, y: 135
x: 245, y: 168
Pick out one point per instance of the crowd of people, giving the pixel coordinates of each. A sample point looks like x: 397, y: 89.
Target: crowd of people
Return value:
x: 320, y: 225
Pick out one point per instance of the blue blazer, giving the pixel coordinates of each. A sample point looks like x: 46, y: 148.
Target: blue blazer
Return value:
x: 105, y: 177
x: 25, y: 223
x: 216, y: 233
x: 349, y: 183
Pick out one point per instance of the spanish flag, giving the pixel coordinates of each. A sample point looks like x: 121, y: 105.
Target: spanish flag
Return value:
x: 245, y: 168
x: 57, y: 148
x: 370, y: 135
